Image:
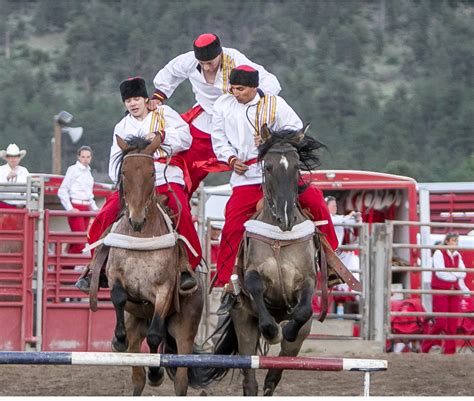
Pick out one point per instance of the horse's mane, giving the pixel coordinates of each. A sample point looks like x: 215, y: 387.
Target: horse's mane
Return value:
x: 306, y: 148
x: 134, y: 142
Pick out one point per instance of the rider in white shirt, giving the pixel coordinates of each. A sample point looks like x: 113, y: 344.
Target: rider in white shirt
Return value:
x: 208, y: 69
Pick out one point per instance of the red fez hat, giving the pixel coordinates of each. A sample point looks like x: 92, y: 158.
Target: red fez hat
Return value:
x: 207, y: 47
x: 133, y: 87
x: 244, y: 75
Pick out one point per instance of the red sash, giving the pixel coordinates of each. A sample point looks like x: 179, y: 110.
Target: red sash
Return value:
x: 192, y: 113
x: 216, y: 166
x: 178, y: 161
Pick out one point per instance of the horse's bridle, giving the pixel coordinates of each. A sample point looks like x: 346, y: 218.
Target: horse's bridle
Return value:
x: 147, y: 204
x: 283, y: 150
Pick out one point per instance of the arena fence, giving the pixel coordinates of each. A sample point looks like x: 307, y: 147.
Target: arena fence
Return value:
x: 219, y: 361
x: 384, y: 316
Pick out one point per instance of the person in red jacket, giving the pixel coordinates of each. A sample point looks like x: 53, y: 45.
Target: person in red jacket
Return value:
x: 446, y: 280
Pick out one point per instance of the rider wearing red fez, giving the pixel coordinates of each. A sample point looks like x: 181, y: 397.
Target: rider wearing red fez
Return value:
x: 237, y: 120
x: 208, y: 69
x: 176, y: 138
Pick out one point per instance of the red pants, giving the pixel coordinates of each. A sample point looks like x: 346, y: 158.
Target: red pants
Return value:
x: 448, y: 326
x: 200, y: 158
x: 242, y: 205
x: 78, y: 223
x: 109, y: 213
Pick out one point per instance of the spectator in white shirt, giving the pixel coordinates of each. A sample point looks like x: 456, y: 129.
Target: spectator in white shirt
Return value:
x: 12, y: 172
x: 76, y: 193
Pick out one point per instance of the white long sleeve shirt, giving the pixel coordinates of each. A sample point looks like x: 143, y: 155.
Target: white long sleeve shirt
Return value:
x: 185, y: 66
x: 177, y: 139
x: 438, y: 263
x: 233, y: 132
x: 21, y: 177
x: 340, y: 219
x: 77, y: 185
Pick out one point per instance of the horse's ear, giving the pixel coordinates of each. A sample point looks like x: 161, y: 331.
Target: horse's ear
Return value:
x: 154, y: 145
x: 301, y: 134
x: 265, y: 133
x: 121, y: 143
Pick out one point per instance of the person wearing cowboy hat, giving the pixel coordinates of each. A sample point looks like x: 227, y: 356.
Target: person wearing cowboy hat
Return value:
x: 12, y: 172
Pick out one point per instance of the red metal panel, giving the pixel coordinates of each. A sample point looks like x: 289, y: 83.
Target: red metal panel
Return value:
x: 68, y: 324
x: 16, y: 274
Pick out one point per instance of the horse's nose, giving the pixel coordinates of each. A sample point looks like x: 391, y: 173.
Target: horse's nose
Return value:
x: 284, y: 224
x: 136, y: 225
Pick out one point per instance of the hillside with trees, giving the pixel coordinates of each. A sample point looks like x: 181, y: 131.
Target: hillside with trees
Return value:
x: 386, y: 84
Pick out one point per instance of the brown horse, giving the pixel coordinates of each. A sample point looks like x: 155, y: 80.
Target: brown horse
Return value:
x: 278, y: 277
x: 144, y: 282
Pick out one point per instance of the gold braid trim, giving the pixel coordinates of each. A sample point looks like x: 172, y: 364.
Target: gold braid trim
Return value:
x: 227, y: 64
x: 157, y: 125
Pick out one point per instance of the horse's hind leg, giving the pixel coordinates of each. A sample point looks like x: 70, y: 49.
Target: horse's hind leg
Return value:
x: 273, y: 376
x: 136, y: 332
x: 246, y: 329
x: 270, y: 330
x: 301, y: 314
x: 118, y: 296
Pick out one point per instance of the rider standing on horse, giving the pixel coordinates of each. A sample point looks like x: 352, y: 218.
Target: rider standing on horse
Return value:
x: 237, y: 120
x: 170, y: 180
x: 208, y: 69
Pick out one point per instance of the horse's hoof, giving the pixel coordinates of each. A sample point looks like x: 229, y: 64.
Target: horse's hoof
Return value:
x: 156, y: 377
x: 289, y: 333
x: 268, y: 391
x: 118, y: 346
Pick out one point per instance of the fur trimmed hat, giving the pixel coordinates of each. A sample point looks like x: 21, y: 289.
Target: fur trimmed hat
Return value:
x: 133, y: 87
x: 207, y: 47
x: 244, y: 75
x: 12, y: 150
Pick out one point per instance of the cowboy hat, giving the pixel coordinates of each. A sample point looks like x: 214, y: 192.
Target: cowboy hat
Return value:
x: 13, y: 150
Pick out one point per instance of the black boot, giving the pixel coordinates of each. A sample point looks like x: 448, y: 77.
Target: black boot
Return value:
x: 187, y: 281
x: 227, y: 303
x: 84, y: 284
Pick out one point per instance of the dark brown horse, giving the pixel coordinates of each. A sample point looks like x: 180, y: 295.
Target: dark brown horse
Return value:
x: 278, y: 277
x: 143, y: 282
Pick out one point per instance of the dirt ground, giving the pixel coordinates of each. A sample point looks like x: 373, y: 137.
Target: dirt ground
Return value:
x: 407, y: 375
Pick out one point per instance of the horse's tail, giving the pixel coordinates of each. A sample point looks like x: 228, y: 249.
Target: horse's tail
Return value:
x: 226, y: 344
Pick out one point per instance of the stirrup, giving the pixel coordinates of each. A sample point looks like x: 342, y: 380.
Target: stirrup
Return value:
x: 227, y: 303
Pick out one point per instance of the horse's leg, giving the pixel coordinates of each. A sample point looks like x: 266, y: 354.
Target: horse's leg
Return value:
x: 136, y: 332
x: 118, y: 296
x: 157, y: 332
x: 246, y: 329
x: 270, y: 330
x: 301, y: 314
x: 273, y: 376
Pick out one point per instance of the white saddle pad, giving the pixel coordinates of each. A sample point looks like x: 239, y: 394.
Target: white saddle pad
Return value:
x: 140, y: 244
x: 274, y: 232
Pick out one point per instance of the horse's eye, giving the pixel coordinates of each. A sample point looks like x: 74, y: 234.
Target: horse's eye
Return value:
x: 268, y: 167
